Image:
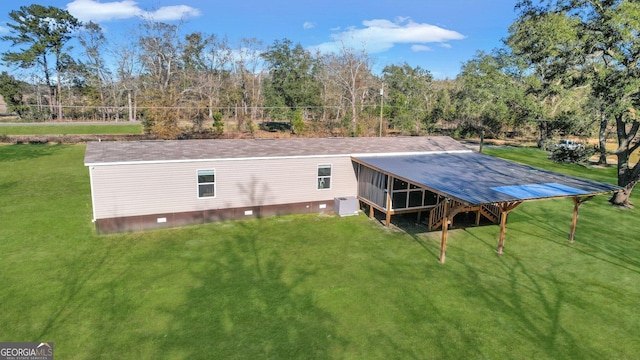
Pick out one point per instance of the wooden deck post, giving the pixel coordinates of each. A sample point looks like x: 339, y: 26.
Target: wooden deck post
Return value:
x: 389, y: 187
x: 505, y: 208
x: 503, y: 230
x: 574, y: 221
x: 445, y: 227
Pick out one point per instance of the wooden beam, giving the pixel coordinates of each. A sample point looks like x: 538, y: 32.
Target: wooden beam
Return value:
x: 389, y: 187
x: 577, y: 201
x: 505, y: 208
x: 445, y: 227
x: 503, y: 230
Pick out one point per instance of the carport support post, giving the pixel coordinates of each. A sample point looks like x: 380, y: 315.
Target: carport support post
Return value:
x: 576, y: 207
x: 445, y: 227
x: 503, y: 230
x: 505, y: 208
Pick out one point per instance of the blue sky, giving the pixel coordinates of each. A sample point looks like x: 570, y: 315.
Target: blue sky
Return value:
x: 437, y: 35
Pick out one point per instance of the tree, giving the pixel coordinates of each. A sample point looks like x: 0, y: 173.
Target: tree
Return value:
x: 12, y: 90
x: 193, y: 84
x: 350, y: 71
x: 217, y: 58
x: 41, y: 31
x: 247, y: 81
x: 128, y: 68
x: 444, y: 107
x: 97, y: 74
x: 491, y: 98
x: 160, y: 49
x: 598, y: 45
x: 547, y: 44
x: 408, y: 96
x: 292, y: 82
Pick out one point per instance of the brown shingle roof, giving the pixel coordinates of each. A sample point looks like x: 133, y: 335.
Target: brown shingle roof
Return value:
x: 199, y: 150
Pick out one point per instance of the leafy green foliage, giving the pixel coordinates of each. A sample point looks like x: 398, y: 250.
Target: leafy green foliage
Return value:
x: 580, y: 155
x: 11, y: 90
x: 490, y: 97
x: 40, y: 31
x: 297, y: 122
x: 218, y: 124
x: 408, y: 94
x: 594, y: 43
x: 292, y: 81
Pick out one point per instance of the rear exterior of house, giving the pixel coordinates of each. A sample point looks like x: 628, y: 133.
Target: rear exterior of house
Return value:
x: 152, y: 184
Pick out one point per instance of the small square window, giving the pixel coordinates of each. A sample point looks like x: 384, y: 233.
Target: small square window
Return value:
x: 206, y: 183
x: 324, y: 177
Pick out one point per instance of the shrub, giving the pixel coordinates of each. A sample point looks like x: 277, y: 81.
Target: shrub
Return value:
x: 297, y: 122
x: 218, y: 124
x: 578, y: 155
x: 274, y: 126
x: 547, y: 144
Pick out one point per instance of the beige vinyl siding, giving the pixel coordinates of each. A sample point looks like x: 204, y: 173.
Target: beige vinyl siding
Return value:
x: 145, y: 189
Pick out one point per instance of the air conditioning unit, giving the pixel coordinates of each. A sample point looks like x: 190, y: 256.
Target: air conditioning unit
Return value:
x: 346, y: 206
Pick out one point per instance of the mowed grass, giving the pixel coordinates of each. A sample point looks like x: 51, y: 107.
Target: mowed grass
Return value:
x: 310, y: 286
x: 76, y: 129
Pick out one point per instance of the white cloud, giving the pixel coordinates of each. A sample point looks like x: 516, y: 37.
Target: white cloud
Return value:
x: 308, y: 25
x: 418, y: 48
x: 86, y: 10
x: 445, y: 45
x: 176, y: 12
x: 380, y: 35
x: 4, y: 30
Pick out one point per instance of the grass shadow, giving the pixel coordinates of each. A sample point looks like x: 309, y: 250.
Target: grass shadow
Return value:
x: 532, y: 306
x: 244, y: 303
x: 27, y: 152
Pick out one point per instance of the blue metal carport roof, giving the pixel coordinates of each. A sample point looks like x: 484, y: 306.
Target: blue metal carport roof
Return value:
x: 476, y: 178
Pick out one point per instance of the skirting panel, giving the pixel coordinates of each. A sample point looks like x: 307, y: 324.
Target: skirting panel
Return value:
x: 159, y: 221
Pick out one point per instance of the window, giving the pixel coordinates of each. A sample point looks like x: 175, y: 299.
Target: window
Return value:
x: 324, y: 177
x: 408, y: 196
x: 206, y: 183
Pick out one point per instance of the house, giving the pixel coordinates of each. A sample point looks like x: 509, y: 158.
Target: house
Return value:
x: 151, y: 184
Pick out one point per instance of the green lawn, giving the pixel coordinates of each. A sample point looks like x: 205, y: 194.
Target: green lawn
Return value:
x: 75, y: 129
x: 310, y: 286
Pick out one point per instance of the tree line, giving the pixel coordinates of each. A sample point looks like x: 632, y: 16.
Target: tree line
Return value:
x: 567, y: 68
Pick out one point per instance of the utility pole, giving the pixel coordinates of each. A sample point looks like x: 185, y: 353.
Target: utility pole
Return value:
x: 381, y: 106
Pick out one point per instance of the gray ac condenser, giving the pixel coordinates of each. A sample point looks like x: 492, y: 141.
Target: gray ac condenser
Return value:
x: 346, y: 206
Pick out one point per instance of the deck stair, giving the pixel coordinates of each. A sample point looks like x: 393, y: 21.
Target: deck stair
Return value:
x: 436, y: 215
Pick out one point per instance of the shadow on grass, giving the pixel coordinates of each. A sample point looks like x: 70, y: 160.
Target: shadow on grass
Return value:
x: 76, y: 276
x: 533, y: 306
x: 243, y: 304
x: 6, y: 186
x: 597, y: 245
x: 613, y: 253
x: 27, y: 152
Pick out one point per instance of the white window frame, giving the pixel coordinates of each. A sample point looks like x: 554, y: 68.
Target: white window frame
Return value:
x: 198, y: 183
x: 318, y: 176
